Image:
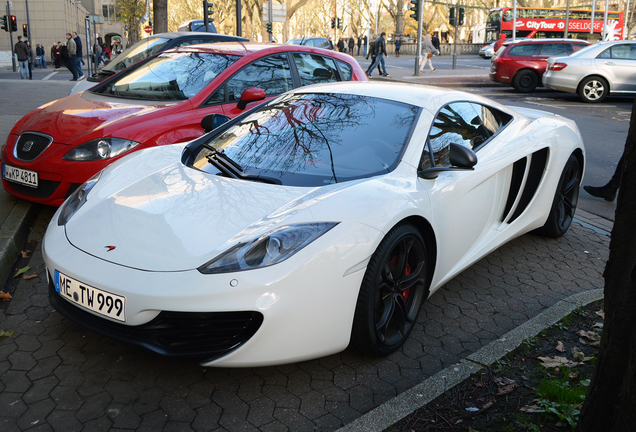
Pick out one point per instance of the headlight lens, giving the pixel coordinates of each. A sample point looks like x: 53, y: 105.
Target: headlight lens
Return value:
x: 76, y: 200
x: 271, y: 248
x: 99, y: 149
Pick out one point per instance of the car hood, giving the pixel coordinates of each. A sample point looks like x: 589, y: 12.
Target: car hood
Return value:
x: 165, y: 216
x: 73, y: 118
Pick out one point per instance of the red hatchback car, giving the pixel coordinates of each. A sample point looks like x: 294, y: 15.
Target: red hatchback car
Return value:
x: 160, y: 100
x: 523, y: 62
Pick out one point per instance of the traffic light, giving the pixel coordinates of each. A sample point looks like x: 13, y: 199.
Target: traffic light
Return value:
x: 14, y: 23
x: 415, y: 7
x: 269, y: 27
x: 208, y: 13
x: 25, y: 30
x: 461, y: 16
x: 333, y: 23
x: 339, y: 23
x: 451, y: 16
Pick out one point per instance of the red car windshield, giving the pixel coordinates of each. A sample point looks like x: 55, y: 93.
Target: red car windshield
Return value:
x: 169, y: 76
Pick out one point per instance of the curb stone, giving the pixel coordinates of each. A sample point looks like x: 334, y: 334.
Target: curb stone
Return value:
x: 13, y: 235
x: 399, y: 407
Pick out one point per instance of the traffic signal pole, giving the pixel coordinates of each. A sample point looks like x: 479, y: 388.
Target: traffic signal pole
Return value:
x: 11, y: 35
x: 455, y: 39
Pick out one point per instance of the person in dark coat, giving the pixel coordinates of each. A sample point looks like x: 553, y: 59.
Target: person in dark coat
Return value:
x: 371, y: 54
x: 30, y: 58
x: 351, y: 44
x: 21, y: 51
x: 435, y: 41
x: 359, y: 44
x: 341, y: 45
x: 379, y: 47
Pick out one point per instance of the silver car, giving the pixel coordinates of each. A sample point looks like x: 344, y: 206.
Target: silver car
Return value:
x: 595, y: 71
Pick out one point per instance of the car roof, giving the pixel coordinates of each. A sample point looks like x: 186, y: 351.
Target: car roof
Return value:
x: 246, y: 48
x: 189, y: 34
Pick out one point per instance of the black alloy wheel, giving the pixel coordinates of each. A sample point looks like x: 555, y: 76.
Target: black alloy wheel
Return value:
x: 392, y: 292
x: 525, y: 81
x: 565, y: 201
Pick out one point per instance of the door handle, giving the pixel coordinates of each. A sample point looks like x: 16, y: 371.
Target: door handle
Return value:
x: 610, y: 63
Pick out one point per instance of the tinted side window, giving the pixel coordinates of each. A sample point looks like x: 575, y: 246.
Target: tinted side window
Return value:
x: 555, y: 49
x: 525, y: 50
x: 605, y: 54
x: 624, y: 52
x: 271, y: 74
x: 315, y: 69
x: 346, y: 73
x: 465, y: 123
x: 576, y: 47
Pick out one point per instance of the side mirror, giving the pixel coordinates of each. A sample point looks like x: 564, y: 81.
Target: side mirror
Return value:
x: 461, y: 159
x: 212, y: 121
x: 251, y: 94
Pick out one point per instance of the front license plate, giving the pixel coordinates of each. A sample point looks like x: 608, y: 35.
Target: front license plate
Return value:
x: 91, y: 298
x: 19, y: 175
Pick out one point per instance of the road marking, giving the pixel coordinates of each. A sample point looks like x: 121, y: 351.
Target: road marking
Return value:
x: 51, y: 75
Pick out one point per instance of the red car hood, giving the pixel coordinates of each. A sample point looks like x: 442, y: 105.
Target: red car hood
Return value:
x: 75, y: 117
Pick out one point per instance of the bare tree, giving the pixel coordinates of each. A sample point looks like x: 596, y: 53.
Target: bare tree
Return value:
x: 611, y: 397
x: 160, y: 15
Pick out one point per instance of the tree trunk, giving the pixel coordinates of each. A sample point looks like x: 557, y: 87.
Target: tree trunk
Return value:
x: 610, y: 403
x: 160, y: 15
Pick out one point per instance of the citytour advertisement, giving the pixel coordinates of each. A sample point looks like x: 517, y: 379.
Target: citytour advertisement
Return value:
x: 614, y: 30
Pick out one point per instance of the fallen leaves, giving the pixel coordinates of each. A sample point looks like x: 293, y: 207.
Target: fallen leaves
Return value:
x: 31, y: 276
x: 5, y: 296
x: 22, y: 271
x: 4, y: 333
x: 556, y: 361
x: 505, y: 385
x: 25, y: 253
x: 589, y: 337
x: 560, y: 347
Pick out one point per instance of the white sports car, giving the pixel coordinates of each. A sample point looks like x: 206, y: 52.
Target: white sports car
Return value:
x: 320, y: 219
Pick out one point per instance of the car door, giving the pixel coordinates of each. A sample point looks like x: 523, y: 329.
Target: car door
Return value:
x: 466, y: 205
x: 618, y: 64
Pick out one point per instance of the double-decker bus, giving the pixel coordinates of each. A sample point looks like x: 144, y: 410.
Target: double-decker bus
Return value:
x: 550, y: 23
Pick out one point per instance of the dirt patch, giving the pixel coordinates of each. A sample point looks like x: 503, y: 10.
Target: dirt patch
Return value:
x: 537, y: 387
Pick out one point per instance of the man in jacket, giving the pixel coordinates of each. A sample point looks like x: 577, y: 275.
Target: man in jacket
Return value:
x: 379, y: 48
x: 78, y: 55
x: 39, y: 51
x: 21, y: 50
x: 72, y: 53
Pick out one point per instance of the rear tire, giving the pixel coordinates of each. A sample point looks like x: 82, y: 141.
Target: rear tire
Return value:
x: 593, y: 89
x: 392, y: 292
x: 525, y: 81
x: 565, y: 200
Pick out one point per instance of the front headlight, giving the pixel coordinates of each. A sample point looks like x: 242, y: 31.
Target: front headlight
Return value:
x: 271, y: 248
x: 76, y: 200
x: 99, y: 149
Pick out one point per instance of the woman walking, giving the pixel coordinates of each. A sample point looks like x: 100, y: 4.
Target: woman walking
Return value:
x: 427, y: 53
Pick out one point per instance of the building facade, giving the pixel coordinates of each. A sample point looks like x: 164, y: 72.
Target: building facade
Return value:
x: 48, y: 21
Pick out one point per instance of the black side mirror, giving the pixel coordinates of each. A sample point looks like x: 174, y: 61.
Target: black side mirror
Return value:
x: 212, y: 121
x: 461, y: 159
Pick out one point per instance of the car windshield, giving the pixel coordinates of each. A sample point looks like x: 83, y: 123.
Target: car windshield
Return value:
x: 169, y: 76
x: 138, y: 51
x: 317, y: 139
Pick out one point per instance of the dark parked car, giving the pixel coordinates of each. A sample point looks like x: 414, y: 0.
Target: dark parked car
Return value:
x: 149, y: 46
x: 523, y: 62
x: 196, y: 25
x: 318, y: 42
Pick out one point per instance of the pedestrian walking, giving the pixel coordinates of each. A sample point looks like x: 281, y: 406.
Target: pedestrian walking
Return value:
x: 20, y: 50
x: 427, y: 53
x: 39, y: 51
x: 359, y: 44
x: 398, y: 44
x: 352, y: 43
x: 372, y: 55
x: 106, y: 51
x: 435, y: 42
x: 56, y: 54
x: 365, y: 43
x: 30, y: 58
x: 72, y: 55
x: 78, y: 55
x: 379, y: 48
x: 341, y: 45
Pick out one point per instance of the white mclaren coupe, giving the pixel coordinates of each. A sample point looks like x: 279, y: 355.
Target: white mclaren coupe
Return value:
x: 321, y: 219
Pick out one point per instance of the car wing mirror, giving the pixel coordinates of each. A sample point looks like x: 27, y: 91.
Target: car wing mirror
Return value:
x: 250, y: 95
x: 212, y: 121
x: 461, y: 159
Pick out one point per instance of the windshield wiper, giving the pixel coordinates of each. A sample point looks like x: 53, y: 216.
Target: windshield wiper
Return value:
x: 227, y: 166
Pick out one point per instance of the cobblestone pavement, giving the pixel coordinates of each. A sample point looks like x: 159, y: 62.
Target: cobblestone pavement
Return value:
x: 54, y: 375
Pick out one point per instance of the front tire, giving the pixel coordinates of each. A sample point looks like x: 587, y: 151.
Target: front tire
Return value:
x: 593, y: 89
x: 565, y: 201
x: 392, y: 292
x: 525, y: 81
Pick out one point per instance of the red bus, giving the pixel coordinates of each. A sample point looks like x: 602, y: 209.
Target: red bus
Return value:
x: 549, y: 23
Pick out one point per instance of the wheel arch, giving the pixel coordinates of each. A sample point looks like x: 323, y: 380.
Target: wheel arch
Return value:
x: 609, y: 87
x: 430, y: 241
x: 578, y: 153
x: 524, y: 69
